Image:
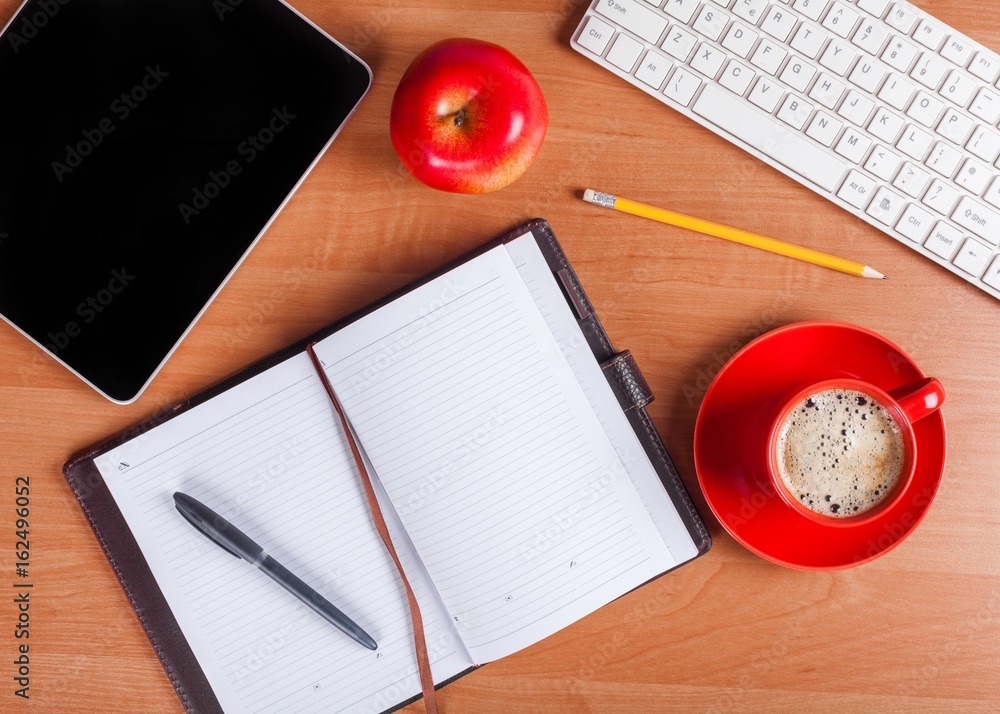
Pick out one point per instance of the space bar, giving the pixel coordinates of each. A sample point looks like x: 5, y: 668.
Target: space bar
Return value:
x: 770, y: 137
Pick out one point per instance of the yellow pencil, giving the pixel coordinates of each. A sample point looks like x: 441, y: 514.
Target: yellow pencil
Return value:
x: 734, y: 234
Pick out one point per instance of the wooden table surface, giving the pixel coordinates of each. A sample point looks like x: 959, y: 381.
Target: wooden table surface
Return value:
x: 916, y: 630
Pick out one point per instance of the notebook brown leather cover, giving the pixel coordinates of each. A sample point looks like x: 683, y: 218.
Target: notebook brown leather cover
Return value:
x: 130, y: 566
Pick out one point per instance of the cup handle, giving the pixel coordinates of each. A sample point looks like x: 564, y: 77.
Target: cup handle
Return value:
x: 919, y: 399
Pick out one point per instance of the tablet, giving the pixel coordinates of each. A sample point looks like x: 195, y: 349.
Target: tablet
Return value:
x: 144, y: 149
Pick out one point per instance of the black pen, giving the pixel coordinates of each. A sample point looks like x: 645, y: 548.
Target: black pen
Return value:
x: 232, y: 539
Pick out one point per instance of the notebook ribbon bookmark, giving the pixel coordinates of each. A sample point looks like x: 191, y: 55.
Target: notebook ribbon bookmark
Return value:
x: 419, y: 642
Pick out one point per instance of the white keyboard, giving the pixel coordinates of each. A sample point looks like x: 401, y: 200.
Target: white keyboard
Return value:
x: 873, y: 104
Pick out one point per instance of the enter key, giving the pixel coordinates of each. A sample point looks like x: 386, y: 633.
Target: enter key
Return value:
x: 978, y: 219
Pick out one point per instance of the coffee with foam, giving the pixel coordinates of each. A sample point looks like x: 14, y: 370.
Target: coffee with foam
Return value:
x: 840, y: 453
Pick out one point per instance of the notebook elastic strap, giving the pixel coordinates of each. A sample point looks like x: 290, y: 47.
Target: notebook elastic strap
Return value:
x: 420, y: 644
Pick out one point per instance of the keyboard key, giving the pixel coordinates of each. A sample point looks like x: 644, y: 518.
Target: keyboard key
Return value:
x: 874, y: 7
x: 984, y: 143
x: 986, y: 66
x: 708, y: 60
x: 958, y: 88
x: 901, y: 17
x: 841, y: 19
x: 624, y: 52
x: 794, y: 111
x: 837, y: 57
x: 778, y: 23
x: 915, y: 223
x: 870, y: 36
x: 958, y: 50
x: 736, y: 77
x: 681, y: 86
x: 886, y: 206
x: 986, y: 106
x: 678, y: 43
x: 992, y: 276
x: 596, y: 35
x: 993, y: 193
x: 812, y: 9
x: 929, y: 34
x: 808, y: 40
x: 954, y: 126
x: 978, y: 219
x: 853, y: 145
x: 635, y: 18
x: 925, y: 109
x: 682, y: 10
x: 797, y: 74
x: 824, y: 128
x: 914, y: 142
x: 943, y: 241
x: 885, y: 125
x: 911, y: 180
x: 750, y: 10
x: 896, y: 92
x: 929, y: 70
x: 766, y: 94
x: 827, y: 91
x: 899, y: 54
x: 867, y: 74
x: 941, y: 197
x: 739, y: 40
x: 943, y: 159
x: 653, y: 69
x: 882, y: 163
x: 710, y: 22
x: 857, y: 189
x: 973, y: 256
x: 796, y: 153
x: 768, y: 56
x: 856, y: 108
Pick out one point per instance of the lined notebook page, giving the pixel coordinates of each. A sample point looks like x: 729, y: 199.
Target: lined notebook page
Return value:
x: 504, y: 479
x: 565, y: 329
x: 269, y: 456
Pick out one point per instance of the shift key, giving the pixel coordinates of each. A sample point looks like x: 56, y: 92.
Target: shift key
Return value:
x: 634, y: 17
x: 978, y: 219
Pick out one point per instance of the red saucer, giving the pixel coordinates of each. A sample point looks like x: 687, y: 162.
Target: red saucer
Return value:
x: 733, y: 426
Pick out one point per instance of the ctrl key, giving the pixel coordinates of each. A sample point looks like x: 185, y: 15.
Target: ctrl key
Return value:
x: 596, y: 35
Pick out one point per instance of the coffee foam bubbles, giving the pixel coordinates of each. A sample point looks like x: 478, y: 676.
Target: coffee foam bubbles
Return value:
x: 840, y: 453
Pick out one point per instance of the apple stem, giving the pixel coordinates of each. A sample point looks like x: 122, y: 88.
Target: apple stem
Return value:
x: 460, y: 117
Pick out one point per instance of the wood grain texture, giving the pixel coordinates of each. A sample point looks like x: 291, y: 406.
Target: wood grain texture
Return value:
x: 915, y: 631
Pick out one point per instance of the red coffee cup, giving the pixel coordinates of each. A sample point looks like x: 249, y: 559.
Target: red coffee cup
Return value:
x: 906, y: 405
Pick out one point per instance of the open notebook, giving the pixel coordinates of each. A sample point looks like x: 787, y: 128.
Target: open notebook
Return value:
x: 521, y: 488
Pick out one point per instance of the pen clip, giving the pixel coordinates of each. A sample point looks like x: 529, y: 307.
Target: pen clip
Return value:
x: 197, y: 524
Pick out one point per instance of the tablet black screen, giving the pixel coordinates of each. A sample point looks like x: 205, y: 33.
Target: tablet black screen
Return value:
x: 144, y: 146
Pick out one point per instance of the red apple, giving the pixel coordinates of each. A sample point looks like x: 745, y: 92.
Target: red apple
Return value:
x: 467, y: 117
